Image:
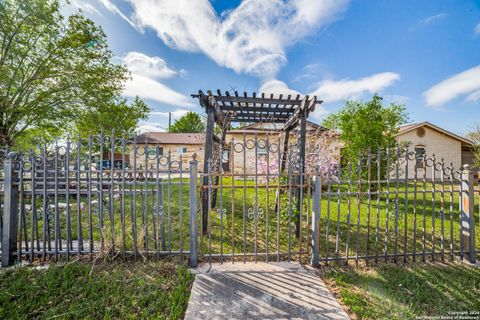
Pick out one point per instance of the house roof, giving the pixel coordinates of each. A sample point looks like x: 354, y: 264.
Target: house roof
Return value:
x: 269, y: 126
x: 414, y: 126
x: 171, y: 138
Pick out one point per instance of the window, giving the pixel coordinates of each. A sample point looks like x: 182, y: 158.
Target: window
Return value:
x: 226, y: 156
x: 152, y: 151
x: 182, y: 150
x: 420, y: 155
x: 261, y: 150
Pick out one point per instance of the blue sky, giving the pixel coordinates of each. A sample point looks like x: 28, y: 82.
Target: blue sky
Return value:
x: 424, y: 54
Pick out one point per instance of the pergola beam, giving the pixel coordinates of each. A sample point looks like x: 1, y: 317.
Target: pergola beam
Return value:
x: 256, y: 100
x: 258, y: 109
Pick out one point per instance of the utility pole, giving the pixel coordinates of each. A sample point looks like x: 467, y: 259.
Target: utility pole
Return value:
x: 169, y: 120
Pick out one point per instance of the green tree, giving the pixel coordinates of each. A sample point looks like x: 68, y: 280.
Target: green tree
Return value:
x: 367, y: 126
x: 121, y: 118
x: 475, y: 137
x: 191, y: 122
x: 57, y: 75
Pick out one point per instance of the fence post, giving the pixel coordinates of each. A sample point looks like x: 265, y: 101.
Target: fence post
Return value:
x: 468, y: 221
x: 193, y: 258
x: 10, y: 210
x: 316, y: 222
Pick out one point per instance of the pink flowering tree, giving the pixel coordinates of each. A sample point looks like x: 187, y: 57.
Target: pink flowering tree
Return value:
x: 319, y: 159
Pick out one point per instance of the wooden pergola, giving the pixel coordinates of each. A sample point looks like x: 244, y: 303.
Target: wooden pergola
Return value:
x: 225, y: 109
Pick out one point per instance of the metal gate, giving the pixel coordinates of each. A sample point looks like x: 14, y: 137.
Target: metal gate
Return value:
x: 257, y: 211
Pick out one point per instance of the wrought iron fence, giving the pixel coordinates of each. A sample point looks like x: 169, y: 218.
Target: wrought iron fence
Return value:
x: 112, y: 196
x: 391, y: 205
x: 100, y: 195
x: 395, y: 205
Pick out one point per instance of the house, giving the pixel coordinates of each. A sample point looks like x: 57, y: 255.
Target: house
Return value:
x: 184, y: 145
x: 180, y: 146
x: 271, y: 132
x: 423, y: 138
x: 429, y: 139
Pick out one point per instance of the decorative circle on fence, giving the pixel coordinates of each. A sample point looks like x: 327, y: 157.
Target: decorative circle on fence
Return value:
x: 261, y: 143
x: 250, y: 144
x: 238, y: 147
x: 429, y: 162
x: 273, y: 147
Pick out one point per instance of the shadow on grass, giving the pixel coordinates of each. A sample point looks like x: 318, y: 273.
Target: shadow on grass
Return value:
x: 405, y: 292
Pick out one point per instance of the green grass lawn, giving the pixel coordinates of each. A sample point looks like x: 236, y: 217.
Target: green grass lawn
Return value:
x: 349, y: 224
x: 406, y: 292
x: 142, y: 290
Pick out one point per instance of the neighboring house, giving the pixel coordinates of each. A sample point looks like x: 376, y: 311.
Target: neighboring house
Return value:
x: 429, y: 139
x: 271, y: 132
x: 185, y: 144
x: 423, y: 138
x: 179, y: 145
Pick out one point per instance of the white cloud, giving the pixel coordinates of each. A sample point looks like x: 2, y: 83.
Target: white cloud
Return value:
x: 110, y: 6
x: 431, y: 19
x: 151, y: 89
x: 152, y: 67
x: 466, y: 82
x: 85, y: 6
x: 474, y: 97
x: 150, y: 127
x: 477, y: 29
x: 251, y: 38
x: 144, y: 82
x: 178, y: 113
x: 309, y: 71
x: 277, y: 87
x: 333, y: 91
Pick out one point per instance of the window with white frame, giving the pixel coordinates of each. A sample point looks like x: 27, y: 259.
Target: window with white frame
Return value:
x: 182, y: 150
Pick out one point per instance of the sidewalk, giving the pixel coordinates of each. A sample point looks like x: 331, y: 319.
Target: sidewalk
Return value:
x: 260, y: 291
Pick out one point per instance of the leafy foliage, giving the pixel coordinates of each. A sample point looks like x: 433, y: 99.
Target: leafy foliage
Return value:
x: 56, y: 75
x: 191, y: 122
x: 367, y: 126
x: 475, y: 137
x: 120, y: 118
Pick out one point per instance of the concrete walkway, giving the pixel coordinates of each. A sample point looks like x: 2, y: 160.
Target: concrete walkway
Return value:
x: 260, y: 291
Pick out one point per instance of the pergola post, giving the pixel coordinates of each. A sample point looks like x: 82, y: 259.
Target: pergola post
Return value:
x: 302, y: 132
x: 207, y: 158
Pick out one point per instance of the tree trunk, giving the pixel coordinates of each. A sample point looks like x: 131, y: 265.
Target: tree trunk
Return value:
x: 5, y: 140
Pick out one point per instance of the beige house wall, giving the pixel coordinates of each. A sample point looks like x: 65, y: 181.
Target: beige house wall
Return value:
x: 237, y: 156
x: 435, y: 143
x: 274, y: 138
x: 175, y: 156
